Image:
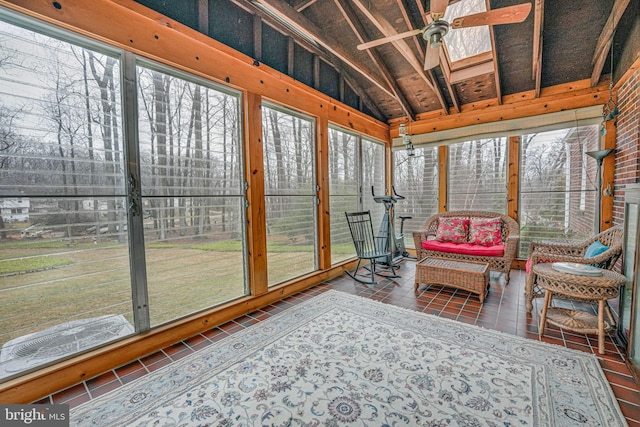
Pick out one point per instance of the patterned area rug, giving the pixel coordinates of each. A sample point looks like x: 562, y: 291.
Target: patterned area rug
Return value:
x: 342, y: 360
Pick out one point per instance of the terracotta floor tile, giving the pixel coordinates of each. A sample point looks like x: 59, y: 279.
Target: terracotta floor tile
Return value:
x: 154, y: 358
x: 133, y: 376
x: 197, y: 342
x: 628, y: 395
x: 215, y: 334
x: 106, y: 378
x: 99, y: 391
x: 620, y: 379
x: 231, y: 327
x: 159, y: 364
x: 78, y: 400
x: 130, y: 368
x: 70, y: 393
x: 633, y: 423
x: 630, y: 410
x: 177, y: 348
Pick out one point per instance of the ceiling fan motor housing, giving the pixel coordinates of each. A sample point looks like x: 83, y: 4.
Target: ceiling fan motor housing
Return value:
x: 435, y: 31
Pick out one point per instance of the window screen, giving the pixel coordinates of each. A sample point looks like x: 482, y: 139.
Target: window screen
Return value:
x: 478, y: 175
x: 290, y: 193
x: 557, y: 185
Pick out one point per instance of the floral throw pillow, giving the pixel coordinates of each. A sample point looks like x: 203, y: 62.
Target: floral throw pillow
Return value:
x: 485, y: 231
x: 452, y: 230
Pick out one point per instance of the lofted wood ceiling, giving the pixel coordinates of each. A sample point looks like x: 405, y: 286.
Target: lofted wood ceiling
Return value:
x: 315, y: 41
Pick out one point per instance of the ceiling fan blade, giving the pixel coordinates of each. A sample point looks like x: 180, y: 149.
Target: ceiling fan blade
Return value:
x: 438, y: 7
x: 431, y: 57
x: 505, y: 15
x: 378, y: 42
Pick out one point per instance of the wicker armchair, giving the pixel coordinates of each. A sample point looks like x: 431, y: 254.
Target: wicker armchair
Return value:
x: 510, y: 237
x: 572, y: 252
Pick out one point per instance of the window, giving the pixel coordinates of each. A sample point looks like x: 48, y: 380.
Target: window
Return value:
x: 65, y: 261
x: 192, y: 193
x: 556, y: 201
x: 344, y: 190
x: 92, y: 236
x: 478, y: 175
x: 373, y: 176
x: 416, y: 178
x: 355, y: 165
x: 290, y: 193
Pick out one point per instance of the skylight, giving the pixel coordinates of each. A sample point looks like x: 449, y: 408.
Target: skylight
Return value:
x: 465, y: 42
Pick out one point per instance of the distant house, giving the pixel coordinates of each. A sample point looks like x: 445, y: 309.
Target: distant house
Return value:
x: 14, y: 208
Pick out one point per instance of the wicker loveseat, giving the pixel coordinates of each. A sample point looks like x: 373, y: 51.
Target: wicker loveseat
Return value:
x: 499, y: 257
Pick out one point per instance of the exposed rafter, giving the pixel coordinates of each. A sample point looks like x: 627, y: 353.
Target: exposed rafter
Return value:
x: 538, y: 23
x: 387, y: 29
x: 605, y: 39
x: 287, y: 15
x: 349, y: 14
x: 496, y: 70
x: 301, y: 5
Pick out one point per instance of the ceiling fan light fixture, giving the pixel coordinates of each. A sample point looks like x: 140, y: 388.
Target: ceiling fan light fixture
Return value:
x: 435, y: 40
x: 434, y: 33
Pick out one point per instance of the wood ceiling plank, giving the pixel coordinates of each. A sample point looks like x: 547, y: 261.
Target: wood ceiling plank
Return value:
x: 606, y: 38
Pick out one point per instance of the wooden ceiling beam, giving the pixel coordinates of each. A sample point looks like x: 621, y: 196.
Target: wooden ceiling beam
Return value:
x: 359, y: 30
x: 606, y: 39
x: 538, y: 25
x: 314, y: 49
x: 304, y: 27
x: 301, y: 5
x: 494, y: 63
x: 551, y: 100
x: 387, y: 29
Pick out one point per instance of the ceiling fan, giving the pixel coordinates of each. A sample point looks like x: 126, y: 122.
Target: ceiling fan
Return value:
x: 438, y: 27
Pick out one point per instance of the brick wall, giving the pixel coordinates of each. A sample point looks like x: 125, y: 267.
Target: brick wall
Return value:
x: 627, y: 170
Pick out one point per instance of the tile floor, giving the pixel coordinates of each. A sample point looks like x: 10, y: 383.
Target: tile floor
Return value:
x: 503, y: 310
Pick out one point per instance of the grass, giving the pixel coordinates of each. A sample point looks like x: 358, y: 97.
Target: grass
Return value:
x: 63, y: 282
x: 27, y: 265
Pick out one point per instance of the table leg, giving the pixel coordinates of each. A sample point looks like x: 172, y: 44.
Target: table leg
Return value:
x: 601, y: 326
x: 543, y: 316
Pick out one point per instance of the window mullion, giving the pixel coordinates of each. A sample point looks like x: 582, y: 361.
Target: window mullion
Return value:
x: 135, y: 211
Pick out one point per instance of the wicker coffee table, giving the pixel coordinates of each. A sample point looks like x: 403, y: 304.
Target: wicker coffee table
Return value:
x: 586, y: 288
x: 469, y: 276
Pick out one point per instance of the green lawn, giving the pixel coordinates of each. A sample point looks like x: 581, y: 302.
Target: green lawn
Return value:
x: 55, y: 282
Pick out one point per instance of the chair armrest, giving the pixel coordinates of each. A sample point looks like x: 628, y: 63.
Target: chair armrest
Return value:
x: 418, y: 238
x: 559, y: 249
x: 511, y: 247
x: 538, y: 257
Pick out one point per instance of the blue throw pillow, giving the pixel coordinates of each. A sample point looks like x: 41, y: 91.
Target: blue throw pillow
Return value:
x: 595, y: 249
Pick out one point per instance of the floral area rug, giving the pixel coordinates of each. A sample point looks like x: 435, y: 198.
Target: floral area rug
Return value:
x: 342, y: 360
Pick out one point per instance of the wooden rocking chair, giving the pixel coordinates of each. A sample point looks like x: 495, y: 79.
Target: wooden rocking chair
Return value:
x: 376, y: 249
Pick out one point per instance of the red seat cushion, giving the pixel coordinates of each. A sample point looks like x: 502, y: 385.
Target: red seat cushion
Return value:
x: 463, y: 248
x: 527, y: 266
